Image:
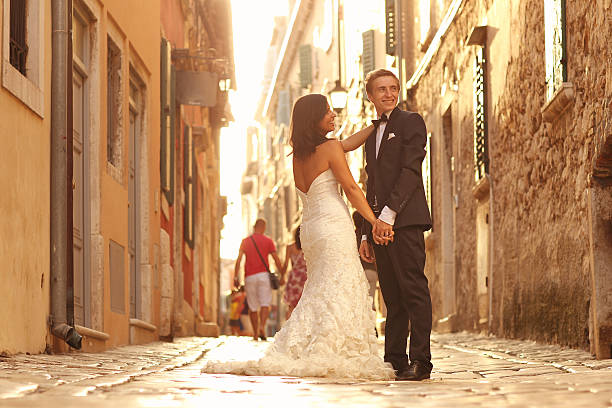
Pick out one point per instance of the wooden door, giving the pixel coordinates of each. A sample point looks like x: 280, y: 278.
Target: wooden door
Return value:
x: 133, y: 211
x: 80, y: 202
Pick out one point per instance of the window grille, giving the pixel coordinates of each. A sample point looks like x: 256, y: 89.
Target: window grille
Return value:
x: 18, y: 46
x: 555, y: 47
x: 481, y: 148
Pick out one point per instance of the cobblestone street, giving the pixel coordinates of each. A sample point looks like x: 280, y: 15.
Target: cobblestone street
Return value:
x: 469, y: 370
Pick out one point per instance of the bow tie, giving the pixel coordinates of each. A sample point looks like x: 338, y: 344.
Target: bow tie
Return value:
x: 377, y: 122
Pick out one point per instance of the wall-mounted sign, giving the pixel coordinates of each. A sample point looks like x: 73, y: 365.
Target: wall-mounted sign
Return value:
x: 197, y: 88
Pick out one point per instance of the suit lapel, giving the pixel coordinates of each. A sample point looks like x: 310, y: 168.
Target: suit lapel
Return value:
x: 385, y: 136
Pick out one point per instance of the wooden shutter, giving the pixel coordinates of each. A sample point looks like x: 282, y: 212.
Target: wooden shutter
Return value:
x: 167, y: 114
x: 305, y: 53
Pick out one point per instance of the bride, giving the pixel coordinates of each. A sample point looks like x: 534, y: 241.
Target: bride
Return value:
x: 331, y: 331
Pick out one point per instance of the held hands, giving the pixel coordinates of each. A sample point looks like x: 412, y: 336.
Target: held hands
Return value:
x: 382, y: 232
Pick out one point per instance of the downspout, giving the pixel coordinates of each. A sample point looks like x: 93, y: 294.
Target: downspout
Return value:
x: 59, y: 175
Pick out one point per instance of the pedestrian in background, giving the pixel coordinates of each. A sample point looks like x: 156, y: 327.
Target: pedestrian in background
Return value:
x: 257, y: 248
x: 297, y: 275
x: 236, y: 306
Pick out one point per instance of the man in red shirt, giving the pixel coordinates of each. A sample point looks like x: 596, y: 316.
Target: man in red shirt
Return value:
x: 256, y: 280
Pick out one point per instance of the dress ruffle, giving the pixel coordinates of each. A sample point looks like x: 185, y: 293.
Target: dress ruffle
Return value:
x: 331, y: 331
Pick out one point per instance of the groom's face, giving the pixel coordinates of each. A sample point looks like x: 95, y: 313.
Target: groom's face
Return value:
x: 384, y: 93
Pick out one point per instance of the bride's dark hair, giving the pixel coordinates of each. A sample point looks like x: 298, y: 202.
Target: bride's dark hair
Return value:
x: 305, y: 132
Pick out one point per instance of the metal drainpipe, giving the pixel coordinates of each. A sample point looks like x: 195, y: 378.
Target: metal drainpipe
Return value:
x: 59, y: 174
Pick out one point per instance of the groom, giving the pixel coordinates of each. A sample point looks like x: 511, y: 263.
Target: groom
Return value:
x: 394, y: 155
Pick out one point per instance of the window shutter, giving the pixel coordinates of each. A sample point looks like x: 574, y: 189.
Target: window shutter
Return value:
x: 167, y: 107
x: 391, y: 26
x: 283, y: 110
x: 188, y: 186
x: 481, y: 149
x: 305, y: 53
x: 369, y: 56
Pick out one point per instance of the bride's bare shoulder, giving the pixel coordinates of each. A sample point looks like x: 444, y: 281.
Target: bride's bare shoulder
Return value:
x: 330, y: 144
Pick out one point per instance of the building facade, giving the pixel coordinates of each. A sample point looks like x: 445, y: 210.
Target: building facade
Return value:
x: 198, y: 71
x: 82, y: 166
x: 516, y: 97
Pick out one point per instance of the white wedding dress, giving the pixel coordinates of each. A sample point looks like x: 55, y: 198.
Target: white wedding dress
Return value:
x: 331, y: 331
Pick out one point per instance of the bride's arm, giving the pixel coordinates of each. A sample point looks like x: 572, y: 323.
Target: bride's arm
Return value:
x: 339, y: 166
x: 356, y: 139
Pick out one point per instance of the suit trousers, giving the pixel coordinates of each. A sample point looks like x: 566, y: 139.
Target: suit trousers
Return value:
x: 405, y: 290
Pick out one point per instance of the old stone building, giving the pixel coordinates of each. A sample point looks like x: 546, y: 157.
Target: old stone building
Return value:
x: 516, y: 97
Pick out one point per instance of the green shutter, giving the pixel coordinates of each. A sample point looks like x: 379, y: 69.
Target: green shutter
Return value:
x: 305, y: 53
x: 368, y: 56
x: 391, y: 26
x: 189, y: 184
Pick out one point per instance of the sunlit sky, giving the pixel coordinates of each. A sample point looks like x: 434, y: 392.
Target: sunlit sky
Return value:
x: 253, y: 25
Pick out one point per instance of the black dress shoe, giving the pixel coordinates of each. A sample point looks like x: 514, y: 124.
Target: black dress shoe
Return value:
x: 261, y: 336
x: 416, y: 371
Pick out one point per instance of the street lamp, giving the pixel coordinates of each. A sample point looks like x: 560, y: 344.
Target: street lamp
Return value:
x: 338, y: 97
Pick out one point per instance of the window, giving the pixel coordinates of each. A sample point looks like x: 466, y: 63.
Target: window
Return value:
x: 481, y: 148
x: 425, y: 21
x: 556, y: 59
x: 23, y: 46
x: 18, y: 45
x: 113, y: 105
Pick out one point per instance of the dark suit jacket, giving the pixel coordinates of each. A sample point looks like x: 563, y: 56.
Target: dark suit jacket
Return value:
x: 395, y: 176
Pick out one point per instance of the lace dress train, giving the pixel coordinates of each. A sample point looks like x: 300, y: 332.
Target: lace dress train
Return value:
x: 331, y: 331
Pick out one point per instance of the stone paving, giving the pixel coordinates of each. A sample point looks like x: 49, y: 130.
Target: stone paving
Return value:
x: 470, y: 371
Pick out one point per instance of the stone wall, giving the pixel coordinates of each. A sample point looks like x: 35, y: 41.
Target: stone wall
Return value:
x: 540, y: 275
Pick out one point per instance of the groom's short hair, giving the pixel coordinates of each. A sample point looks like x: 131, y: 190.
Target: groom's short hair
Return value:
x: 372, y: 75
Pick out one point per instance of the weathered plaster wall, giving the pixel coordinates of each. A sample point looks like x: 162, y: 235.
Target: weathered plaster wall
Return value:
x: 134, y: 37
x: 25, y: 162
